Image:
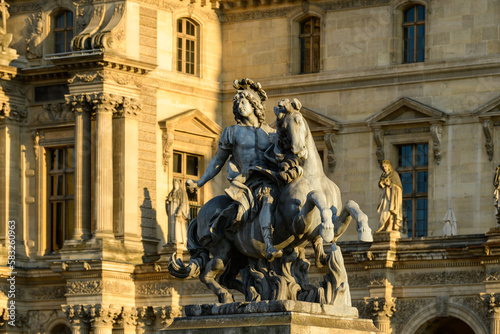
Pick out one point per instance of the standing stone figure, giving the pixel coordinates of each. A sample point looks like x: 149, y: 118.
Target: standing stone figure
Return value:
x: 496, y: 193
x: 177, y: 206
x: 391, y: 202
x: 253, y: 188
x: 450, y: 224
x: 5, y: 38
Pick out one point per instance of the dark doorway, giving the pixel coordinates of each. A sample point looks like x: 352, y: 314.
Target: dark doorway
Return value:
x: 445, y: 325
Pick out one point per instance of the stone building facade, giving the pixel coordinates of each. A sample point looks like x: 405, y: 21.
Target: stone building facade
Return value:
x: 105, y: 103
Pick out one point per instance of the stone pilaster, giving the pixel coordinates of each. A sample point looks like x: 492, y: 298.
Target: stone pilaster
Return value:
x: 83, y: 148
x: 492, y: 300
x: 382, y: 310
x: 104, y: 105
x: 78, y: 317
x: 125, y: 162
x: 11, y: 119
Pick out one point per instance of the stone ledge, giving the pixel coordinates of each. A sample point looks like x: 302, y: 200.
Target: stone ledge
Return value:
x: 271, y: 306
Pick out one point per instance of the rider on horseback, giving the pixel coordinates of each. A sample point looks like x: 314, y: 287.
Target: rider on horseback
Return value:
x: 253, y: 188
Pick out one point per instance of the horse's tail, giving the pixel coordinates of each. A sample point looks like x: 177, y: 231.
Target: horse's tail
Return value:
x: 199, y: 256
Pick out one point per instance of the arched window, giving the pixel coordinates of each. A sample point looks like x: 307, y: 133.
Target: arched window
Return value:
x: 63, y: 31
x: 309, y: 45
x: 187, y: 46
x: 414, y: 34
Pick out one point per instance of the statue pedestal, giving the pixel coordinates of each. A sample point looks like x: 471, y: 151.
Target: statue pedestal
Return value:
x: 270, y: 317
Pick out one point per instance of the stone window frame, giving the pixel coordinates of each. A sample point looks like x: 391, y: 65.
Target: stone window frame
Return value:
x: 397, y: 9
x: 294, y: 21
x: 389, y: 132
x: 54, y: 30
x: 194, y: 133
x: 49, y: 12
x: 200, y: 45
x: 45, y: 138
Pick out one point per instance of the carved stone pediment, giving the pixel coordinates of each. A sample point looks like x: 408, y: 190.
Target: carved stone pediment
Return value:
x: 194, y: 122
x: 406, y: 111
x: 192, y: 126
x: 318, y: 122
x: 404, y: 117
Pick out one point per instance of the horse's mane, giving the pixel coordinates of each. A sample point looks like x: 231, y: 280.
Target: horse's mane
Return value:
x: 290, y: 164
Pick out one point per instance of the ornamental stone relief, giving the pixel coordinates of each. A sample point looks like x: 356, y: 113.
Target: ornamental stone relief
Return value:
x: 55, y: 112
x: 13, y: 113
x: 96, y: 286
x: 407, y: 308
x: 150, y: 289
x: 359, y: 281
x: 475, y: 305
x: 441, y: 278
x: 38, y: 5
x: 45, y: 293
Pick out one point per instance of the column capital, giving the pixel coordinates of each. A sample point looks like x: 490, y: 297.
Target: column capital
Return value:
x: 129, y: 107
x: 145, y: 318
x: 77, y: 315
x: 78, y: 103
x: 492, y: 301
x: 102, y: 316
x: 127, y: 318
x: 381, y: 307
x: 166, y: 314
x: 104, y: 102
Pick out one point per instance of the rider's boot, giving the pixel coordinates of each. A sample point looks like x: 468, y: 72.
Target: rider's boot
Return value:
x: 271, y: 252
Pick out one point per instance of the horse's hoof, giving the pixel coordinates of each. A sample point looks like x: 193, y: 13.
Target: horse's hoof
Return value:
x: 327, y: 234
x: 365, y: 236
x: 225, y: 298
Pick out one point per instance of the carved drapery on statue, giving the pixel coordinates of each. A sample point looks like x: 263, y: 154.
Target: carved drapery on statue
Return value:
x: 390, y: 208
x: 177, y: 206
x: 303, y: 200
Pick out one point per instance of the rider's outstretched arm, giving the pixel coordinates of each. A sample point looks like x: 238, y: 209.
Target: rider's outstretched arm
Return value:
x: 214, y: 166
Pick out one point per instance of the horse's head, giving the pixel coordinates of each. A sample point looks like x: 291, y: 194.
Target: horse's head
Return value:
x: 292, y: 128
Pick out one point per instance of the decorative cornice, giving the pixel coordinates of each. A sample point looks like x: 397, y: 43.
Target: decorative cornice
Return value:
x: 158, y: 289
x: 33, y: 6
x: 441, y: 278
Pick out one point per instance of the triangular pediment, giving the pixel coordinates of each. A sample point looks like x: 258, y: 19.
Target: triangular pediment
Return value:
x: 318, y: 122
x: 193, y: 122
x: 490, y: 109
x: 406, y: 111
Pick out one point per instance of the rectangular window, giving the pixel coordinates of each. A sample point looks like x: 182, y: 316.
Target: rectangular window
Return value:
x: 414, y: 34
x: 413, y: 161
x: 61, y: 166
x: 188, y: 166
x: 187, y: 40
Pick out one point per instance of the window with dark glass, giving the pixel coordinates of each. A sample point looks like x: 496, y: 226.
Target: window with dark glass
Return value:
x: 63, y: 31
x: 414, y: 34
x: 187, y: 40
x: 61, y: 166
x: 413, y: 168
x: 188, y: 167
x: 309, y: 45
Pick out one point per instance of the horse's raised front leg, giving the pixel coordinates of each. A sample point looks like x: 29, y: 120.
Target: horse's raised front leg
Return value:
x: 214, y: 267
x: 351, y: 209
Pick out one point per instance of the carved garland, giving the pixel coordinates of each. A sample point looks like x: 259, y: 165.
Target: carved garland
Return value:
x: 378, y: 137
x: 436, y: 132
x: 330, y: 139
x: 488, y: 131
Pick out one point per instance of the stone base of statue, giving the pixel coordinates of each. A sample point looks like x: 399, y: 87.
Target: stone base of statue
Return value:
x: 270, y: 317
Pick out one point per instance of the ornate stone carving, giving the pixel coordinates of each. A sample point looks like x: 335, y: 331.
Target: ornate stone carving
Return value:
x: 76, y: 314
x: 47, y: 293
x: 494, y: 276
x: 442, y: 278
x: 407, y: 131
x: 85, y: 77
x: 111, y: 36
x: 476, y: 306
x: 436, y: 132
x: 104, y: 102
x: 5, y: 37
x: 130, y: 107
x: 381, y: 307
x: 167, y: 139
x: 84, y: 287
x: 35, y: 36
x: 127, y: 318
x: 13, y: 113
x: 102, y: 316
x: 166, y: 314
x: 488, y: 131
x: 55, y: 112
x: 330, y: 139
x: 492, y: 301
x: 151, y: 289
x: 359, y: 281
x: 36, y: 136
x: 378, y: 137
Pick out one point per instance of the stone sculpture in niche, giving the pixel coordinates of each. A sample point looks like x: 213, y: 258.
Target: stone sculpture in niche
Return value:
x: 177, y: 206
x: 5, y: 38
x: 391, y: 202
x: 282, y: 171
